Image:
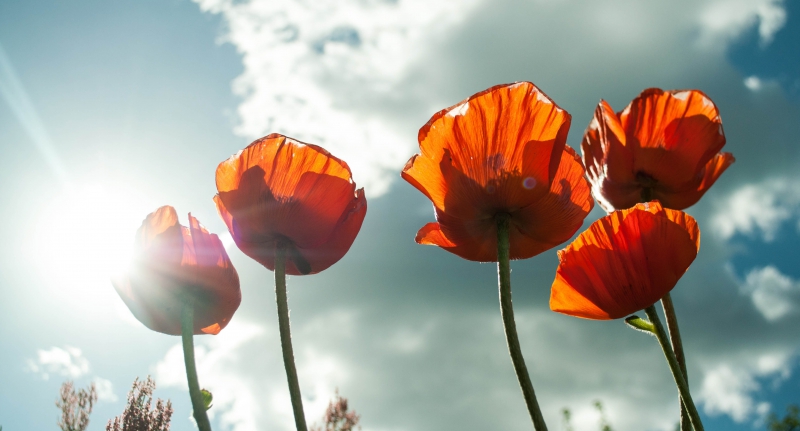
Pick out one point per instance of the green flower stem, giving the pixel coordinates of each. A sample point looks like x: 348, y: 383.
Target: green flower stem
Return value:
x: 286, y: 336
x: 187, y: 336
x: 677, y: 347
x: 683, y: 388
x: 507, y: 313
x: 674, y: 333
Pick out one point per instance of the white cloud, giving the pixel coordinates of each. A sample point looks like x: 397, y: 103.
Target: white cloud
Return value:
x: 726, y: 20
x: 345, y: 73
x: 326, y: 72
x: 727, y: 390
x: 730, y: 388
x: 759, y: 208
x: 756, y: 84
x: 105, y: 390
x: 67, y: 362
x: 753, y: 83
x: 774, y: 294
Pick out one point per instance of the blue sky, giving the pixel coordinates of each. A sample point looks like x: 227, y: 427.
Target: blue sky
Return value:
x: 111, y: 109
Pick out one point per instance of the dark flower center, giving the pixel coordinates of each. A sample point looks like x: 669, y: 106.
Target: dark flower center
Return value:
x: 647, y: 183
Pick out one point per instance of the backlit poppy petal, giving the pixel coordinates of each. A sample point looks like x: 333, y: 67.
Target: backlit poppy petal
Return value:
x: 431, y: 234
x: 338, y: 244
x: 608, y: 162
x: 624, y: 262
x: 176, y: 266
x: 160, y: 235
x: 570, y: 197
x: 495, y: 137
x: 502, y: 151
x: 658, y: 147
x: 605, y: 154
x: 471, y: 239
x: 694, y: 190
x: 280, y: 189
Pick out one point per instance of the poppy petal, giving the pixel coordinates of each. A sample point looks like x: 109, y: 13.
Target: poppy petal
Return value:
x: 672, y: 134
x: 324, y: 255
x: 155, y: 224
x: 608, y: 161
x: 696, y: 189
x: 431, y: 234
x: 180, y: 264
x: 276, y: 181
x: 493, y: 139
x: 605, y: 153
x: 664, y: 145
x: 474, y: 240
x: 558, y: 215
x: 160, y: 234
x: 624, y: 262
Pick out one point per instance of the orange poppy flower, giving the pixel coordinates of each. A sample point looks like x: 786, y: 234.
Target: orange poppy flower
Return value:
x: 503, y: 150
x: 664, y: 145
x: 624, y: 262
x: 174, y: 264
x: 279, y: 189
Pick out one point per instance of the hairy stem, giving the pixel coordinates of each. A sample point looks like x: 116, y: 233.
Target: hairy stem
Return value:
x: 286, y: 335
x: 187, y: 336
x: 677, y: 347
x: 683, y: 388
x: 510, y: 327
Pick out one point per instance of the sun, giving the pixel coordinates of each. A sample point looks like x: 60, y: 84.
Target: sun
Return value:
x: 85, y: 236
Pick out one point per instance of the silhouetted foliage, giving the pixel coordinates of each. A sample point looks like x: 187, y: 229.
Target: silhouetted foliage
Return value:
x: 604, y: 425
x: 338, y: 417
x: 791, y: 422
x: 137, y: 415
x: 76, y: 406
x: 566, y: 416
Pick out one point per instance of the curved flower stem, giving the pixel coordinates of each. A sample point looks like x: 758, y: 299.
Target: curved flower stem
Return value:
x: 683, y: 388
x: 510, y: 327
x: 286, y: 336
x: 677, y: 347
x: 187, y: 336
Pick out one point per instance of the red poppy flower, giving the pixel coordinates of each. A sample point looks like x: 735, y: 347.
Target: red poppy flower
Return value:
x: 624, y: 262
x: 174, y: 264
x: 282, y: 190
x: 664, y: 145
x: 500, y: 151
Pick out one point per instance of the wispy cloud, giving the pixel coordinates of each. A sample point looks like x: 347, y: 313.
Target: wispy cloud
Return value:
x: 758, y: 209
x: 327, y: 72
x: 726, y: 20
x: 67, y: 362
x: 348, y: 74
x: 730, y: 387
x: 105, y: 390
x: 774, y: 294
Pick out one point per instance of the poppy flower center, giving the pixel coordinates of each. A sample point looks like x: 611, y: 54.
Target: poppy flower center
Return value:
x: 646, y: 182
x: 300, y: 262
